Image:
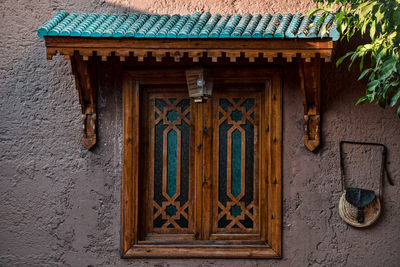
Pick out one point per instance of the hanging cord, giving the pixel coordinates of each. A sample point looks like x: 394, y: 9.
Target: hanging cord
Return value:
x: 383, y: 165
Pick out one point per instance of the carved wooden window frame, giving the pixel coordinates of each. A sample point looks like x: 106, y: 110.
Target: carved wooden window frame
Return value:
x: 271, y: 170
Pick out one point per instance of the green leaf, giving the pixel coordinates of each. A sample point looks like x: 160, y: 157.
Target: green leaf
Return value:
x: 365, y: 72
x: 323, y: 30
x: 395, y: 98
x: 340, y: 60
x: 343, y: 26
x: 362, y: 100
x: 398, y: 112
x: 379, y: 15
x: 364, y: 11
x: 385, y: 75
x: 339, y: 18
x: 312, y: 12
x: 388, y: 68
x: 372, y: 85
x: 391, y: 61
x: 378, y: 60
x: 373, y: 29
x: 371, y: 97
x: 362, y: 63
x: 363, y: 4
x: 392, y: 35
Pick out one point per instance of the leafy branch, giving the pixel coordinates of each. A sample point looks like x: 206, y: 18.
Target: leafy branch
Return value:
x: 380, y: 19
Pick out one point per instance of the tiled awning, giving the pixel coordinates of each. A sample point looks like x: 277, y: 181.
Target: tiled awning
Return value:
x: 197, y: 35
x: 86, y: 38
x: 197, y: 25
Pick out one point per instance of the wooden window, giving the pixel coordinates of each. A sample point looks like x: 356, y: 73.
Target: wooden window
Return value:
x: 202, y: 179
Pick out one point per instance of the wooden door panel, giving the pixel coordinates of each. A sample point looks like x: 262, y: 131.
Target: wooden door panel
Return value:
x: 236, y: 184
x: 169, y: 201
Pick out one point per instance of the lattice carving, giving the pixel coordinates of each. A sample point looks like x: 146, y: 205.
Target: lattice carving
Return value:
x: 236, y: 144
x: 170, y: 133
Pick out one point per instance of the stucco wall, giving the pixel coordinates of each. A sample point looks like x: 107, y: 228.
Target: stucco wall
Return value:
x: 60, y: 204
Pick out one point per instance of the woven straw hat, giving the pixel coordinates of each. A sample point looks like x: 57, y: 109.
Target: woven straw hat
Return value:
x: 348, y: 212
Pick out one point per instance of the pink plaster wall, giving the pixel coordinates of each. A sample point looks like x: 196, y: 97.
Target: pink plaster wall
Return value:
x: 60, y: 204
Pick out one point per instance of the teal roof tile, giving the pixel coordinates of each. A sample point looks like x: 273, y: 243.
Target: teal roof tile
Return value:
x: 304, y: 27
x: 272, y: 25
x: 67, y: 31
x: 280, y: 31
x: 92, y: 27
x: 157, y: 26
x: 197, y: 25
x: 206, y: 30
x: 315, y: 26
x: 259, y: 30
x: 184, y: 32
x: 56, y: 19
x: 237, y: 32
x: 88, y: 21
x: 220, y: 26
x: 60, y: 26
x: 251, y: 26
x: 173, y: 33
x: 194, y: 33
x: 120, y: 32
x: 147, y: 26
x: 135, y: 27
x: 115, y: 25
x: 103, y: 26
x: 173, y: 20
x: 294, y: 26
x: 230, y: 26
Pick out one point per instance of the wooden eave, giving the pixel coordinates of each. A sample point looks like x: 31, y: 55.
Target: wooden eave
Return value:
x: 195, y: 48
x: 307, y: 52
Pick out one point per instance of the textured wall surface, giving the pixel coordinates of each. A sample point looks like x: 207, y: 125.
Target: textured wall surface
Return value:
x: 60, y: 204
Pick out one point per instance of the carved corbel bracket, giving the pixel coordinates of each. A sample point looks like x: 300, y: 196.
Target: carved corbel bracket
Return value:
x: 86, y: 85
x: 310, y: 83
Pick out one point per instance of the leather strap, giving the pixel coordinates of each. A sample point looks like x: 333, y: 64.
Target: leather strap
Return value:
x: 384, y: 171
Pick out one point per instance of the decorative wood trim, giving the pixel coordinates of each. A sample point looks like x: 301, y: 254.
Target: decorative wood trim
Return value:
x: 128, y: 132
x: 194, y: 49
x: 310, y: 84
x: 275, y: 161
x: 86, y: 85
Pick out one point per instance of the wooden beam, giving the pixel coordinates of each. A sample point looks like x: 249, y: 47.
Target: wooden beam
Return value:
x: 233, y: 48
x: 310, y: 84
x: 144, y: 43
x: 86, y: 85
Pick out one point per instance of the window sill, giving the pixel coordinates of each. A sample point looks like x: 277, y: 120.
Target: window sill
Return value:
x: 201, y: 251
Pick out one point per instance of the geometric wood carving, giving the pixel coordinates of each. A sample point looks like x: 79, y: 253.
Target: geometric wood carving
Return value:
x: 310, y: 84
x: 87, y: 89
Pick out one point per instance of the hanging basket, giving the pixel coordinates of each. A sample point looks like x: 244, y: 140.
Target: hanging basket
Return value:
x: 349, y: 213
x: 361, y: 207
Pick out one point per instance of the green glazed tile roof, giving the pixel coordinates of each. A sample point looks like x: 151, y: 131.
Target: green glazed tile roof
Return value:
x: 197, y: 25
